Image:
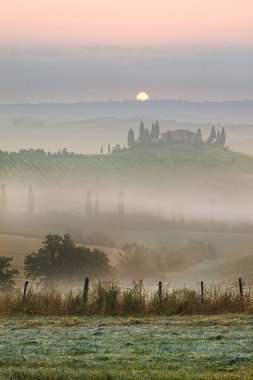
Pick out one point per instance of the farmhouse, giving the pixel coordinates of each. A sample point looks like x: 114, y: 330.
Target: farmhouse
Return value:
x: 181, y: 136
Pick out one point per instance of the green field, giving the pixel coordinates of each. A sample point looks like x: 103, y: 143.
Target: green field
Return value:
x: 219, y: 347
x: 154, y: 167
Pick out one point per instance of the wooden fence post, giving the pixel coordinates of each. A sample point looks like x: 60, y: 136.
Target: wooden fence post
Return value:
x: 240, y: 287
x: 160, y: 292
x: 202, y: 292
x: 86, y: 289
x: 25, y: 290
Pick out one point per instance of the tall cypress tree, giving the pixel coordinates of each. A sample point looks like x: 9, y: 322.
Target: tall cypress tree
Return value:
x: 223, y: 137
x: 157, y: 130
x: 96, y: 207
x: 88, y: 205
x: 147, y: 135
x: 152, y: 133
x: 212, y: 135
x: 218, y: 138
x: 131, y: 138
x: 142, y: 133
x: 199, y: 136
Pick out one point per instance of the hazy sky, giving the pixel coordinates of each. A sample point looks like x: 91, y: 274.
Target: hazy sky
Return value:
x: 126, y: 21
x: 67, y: 50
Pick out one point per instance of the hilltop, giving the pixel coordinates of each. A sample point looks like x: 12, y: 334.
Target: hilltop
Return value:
x: 163, y: 166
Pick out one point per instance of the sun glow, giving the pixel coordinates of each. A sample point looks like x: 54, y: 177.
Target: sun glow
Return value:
x: 142, y: 96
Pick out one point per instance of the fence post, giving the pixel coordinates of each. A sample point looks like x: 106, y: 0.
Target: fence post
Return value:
x: 160, y: 292
x: 25, y: 290
x: 202, y: 292
x: 240, y: 287
x: 86, y: 289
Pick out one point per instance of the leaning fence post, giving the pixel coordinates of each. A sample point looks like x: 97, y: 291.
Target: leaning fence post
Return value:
x: 240, y: 287
x: 202, y: 292
x: 160, y: 292
x: 86, y: 289
x: 25, y: 290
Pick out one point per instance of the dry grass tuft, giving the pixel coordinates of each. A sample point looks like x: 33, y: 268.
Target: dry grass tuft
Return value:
x: 108, y: 298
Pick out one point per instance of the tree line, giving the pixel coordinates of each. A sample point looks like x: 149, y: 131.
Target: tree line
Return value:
x: 147, y: 136
x: 59, y: 259
x: 92, y: 208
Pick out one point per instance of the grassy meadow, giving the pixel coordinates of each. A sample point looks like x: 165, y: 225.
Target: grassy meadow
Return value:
x: 109, y: 348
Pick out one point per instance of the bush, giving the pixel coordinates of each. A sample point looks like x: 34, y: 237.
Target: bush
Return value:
x: 6, y: 274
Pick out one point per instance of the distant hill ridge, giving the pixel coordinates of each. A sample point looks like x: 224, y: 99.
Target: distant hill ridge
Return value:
x: 236, y: 111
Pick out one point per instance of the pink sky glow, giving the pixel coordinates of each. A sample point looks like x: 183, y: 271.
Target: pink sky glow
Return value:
x: 109, y: 22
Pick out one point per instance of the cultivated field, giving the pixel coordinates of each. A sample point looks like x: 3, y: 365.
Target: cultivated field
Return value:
x: 111, y: 348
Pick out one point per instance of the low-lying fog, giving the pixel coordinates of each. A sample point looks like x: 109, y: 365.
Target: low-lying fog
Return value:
x: 179, y: 206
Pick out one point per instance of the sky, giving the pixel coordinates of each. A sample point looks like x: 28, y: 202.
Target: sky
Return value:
x: 62, y: 50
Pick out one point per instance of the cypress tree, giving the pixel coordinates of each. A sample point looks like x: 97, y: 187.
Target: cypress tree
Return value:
x: 152, y: 133
x: 142, y: 133
x: 218, y: 138
x: 131, y: 138
x: 88, y: 205
x: 223, y: 137
x: 199, y: 136
x: 96, y: 207
x: 157, y: 130
x: 147, y: 135
x: 212, y: 135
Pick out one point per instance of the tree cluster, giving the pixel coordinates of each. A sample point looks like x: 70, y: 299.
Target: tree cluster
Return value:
x: 217, y: 138
x: 145, y: 135
x: 138, y: 261
x: 59, y: 258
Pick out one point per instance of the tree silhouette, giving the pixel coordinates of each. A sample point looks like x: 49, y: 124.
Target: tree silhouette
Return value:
x: 157, y: 130
x: 142, y: 133
x: 147, y: 135
x: 212, y: 136
x: 96, y: 210
x: 88, y: 205
x: 152, y: 133
x: 3, y: 199
x: 218, y: 138
x: 59, y: 258
x: 199, y: 136
x: 223, y: 137
x: 131, y: 138
x: 109, y: 148
x: 30, y: 200
x: 6, y: 274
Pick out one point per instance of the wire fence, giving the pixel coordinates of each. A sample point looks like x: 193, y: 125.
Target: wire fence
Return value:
x: 77, y: 285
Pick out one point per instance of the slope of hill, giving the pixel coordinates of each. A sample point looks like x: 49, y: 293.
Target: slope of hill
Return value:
x: 163, y: 163
x: 180, y: 179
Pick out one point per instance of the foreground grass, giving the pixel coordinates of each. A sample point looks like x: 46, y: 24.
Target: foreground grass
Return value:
x: 109, y: 348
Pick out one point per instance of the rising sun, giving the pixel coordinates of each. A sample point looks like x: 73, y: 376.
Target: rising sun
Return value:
x: 142, y: 96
